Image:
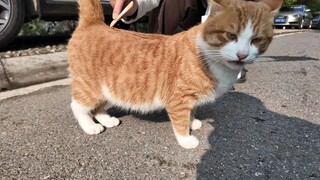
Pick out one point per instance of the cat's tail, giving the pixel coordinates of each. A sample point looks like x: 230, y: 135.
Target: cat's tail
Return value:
x: 90, y: 12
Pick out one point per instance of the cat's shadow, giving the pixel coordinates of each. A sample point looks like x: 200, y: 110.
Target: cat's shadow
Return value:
x: 157, y: 116
x: 251, y: 142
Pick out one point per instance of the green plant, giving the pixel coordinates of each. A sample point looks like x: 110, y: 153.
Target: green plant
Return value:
x: 41, y: 28
x: 289, y: 2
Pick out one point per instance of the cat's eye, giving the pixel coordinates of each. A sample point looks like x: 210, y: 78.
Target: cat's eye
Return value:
x: 231, y: 36
x: 256, y: 40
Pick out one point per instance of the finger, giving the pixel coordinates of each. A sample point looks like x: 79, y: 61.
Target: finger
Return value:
x: 117, y: 8
x: 112, y: 2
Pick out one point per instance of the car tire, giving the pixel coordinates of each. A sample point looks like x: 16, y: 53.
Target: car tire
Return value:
x: 13, y: 15
x: 301, y: 24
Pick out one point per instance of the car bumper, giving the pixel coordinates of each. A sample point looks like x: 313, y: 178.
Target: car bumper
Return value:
x: 289, y: 21
x: 287, y: 24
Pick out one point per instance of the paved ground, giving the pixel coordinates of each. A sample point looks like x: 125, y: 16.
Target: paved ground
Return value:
x: 269, y: 128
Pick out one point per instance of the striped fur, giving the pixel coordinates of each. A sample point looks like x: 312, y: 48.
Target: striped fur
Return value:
x: 145, y: 72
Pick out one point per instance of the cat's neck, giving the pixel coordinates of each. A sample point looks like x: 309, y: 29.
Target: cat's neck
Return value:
x: 225, y: 76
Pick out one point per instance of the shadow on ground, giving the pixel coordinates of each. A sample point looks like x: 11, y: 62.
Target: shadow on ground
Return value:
x: 251, y: 142
x: 291, y: 58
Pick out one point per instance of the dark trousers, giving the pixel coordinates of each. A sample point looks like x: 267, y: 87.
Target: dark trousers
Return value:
x: 173, y: 16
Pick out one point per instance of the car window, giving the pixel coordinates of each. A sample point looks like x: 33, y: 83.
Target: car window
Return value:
x: 292, y: 8
x: 317, y: 16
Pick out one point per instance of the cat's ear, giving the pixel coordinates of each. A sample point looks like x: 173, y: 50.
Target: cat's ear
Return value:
x: 214, y: 6
x: 274, y: 5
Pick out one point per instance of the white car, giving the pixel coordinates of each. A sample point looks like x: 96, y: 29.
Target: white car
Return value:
x: 298, y: 16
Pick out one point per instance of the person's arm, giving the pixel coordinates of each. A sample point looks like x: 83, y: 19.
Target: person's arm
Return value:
x: 118, y: 6
x: 139, y: 9
x: 144, y: 6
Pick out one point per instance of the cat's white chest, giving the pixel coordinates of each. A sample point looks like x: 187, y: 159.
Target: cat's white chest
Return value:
x: 226, y: 78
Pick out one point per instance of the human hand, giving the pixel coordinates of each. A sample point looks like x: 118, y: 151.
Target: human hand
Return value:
x: 118, y: 6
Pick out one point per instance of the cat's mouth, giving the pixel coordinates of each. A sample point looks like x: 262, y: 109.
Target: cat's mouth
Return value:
x: 236, y: 65
x: 239, y: 63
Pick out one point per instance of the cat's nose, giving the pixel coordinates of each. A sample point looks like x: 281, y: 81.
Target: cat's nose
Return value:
x: 242, y: 56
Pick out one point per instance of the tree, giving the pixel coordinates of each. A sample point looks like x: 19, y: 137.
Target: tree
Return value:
x: 289, y: 2
x: 314, y: 5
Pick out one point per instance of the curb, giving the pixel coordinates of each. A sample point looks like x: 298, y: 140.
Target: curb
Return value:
x: 29, y: 70
x: 24, y: 71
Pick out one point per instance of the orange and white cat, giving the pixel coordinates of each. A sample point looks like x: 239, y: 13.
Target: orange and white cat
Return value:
x: 147, y: 72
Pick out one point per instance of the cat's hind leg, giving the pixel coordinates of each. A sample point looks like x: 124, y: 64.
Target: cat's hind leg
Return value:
x: 83, y: 114
x: 195, y: 124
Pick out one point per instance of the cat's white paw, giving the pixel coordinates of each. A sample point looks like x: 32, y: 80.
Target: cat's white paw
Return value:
x: 92, y: 128
x: 107, y: 121
x: 196, y: 124
x: 188, y: 142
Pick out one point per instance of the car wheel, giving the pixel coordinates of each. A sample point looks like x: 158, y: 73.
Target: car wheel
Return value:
x: 301, y: 24
x: 310, y: 25
x: 12, y: 14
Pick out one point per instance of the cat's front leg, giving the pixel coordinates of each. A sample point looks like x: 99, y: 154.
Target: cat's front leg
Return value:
x: 83, y: 115
x: 180, y: 116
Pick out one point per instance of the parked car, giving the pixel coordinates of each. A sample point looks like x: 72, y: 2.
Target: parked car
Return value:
x: 316, y: 21
x: 298, y: 16
x: 13, y: 13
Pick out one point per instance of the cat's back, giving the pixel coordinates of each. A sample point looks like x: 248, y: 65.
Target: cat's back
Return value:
x: 105, y: 34
x: 101, y: 39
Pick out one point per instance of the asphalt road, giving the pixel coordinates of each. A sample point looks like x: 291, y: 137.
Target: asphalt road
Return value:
x: 268, y: 128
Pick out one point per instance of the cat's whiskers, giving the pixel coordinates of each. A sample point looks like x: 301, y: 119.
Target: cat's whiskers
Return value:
x: 215, y: 59
x: 212, y: 52
x: 210, y: 57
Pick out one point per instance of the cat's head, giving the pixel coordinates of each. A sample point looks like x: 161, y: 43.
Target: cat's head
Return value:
x: 237, y: 31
